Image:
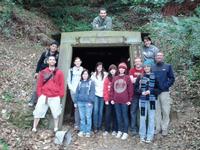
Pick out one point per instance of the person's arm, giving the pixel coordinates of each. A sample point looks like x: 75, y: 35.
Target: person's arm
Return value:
x: 171, y: 77
x: 92, y: 92
x: 62, y: 85
x: 108, y: 25
x: 130, y: 89
x: 105, y: 90
x: 69, y: 79
x: 40, y: 62
x: 40, y: 84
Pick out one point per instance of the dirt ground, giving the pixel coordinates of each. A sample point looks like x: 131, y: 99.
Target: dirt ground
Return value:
x: 17, y: 64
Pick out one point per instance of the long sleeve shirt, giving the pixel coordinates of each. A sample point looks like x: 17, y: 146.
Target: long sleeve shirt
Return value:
x: 102, y: 24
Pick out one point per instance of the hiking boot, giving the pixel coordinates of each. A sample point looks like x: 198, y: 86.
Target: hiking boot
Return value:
x: 119, y: 134
x: 87, y: 135
x: 80, y: 134
x: 164, y: 132
x: 124, y: 136
x: 105, y: 133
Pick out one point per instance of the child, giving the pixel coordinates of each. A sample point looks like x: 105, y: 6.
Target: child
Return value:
x: 121, y: 96
x: 85, y: 94
x: 146, y: 86
x: 110, y: 116
x: 98, y: 77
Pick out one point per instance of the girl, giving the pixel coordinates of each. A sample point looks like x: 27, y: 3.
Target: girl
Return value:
x: 110, y: 117
x: 85, y: 94
x: 121, y: 96
x: 146, y: 86
x: 98, y: 77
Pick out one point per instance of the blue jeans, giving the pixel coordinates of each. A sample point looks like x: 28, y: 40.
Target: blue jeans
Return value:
x: 147, y: 108
x: 133, y: 112
x: 98, y: 112
x: 110, y: 118
x: 122, y: 117
x: 76, y: 112
x: 85, y: 111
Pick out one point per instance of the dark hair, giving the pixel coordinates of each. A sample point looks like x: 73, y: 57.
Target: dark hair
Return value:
x: 110, y: 77
x: 54, y: 42
x: 102, y: 9
x: 102, y: 71
x: 85, y: 70
x: 147, y: 38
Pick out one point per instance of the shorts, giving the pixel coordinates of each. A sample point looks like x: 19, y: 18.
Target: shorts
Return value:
x: 42, y: 107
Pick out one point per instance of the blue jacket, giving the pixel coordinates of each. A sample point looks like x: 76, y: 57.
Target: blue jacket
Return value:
x: 85, y: 91
x: 165, y: 76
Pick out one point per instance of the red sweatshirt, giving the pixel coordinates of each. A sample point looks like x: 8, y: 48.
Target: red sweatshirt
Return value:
x: 135, y: 72
x: 106, y: 89
x: 121, y: 89
x: 54, y: 86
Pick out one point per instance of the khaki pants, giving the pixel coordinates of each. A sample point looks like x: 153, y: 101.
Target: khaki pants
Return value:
x: 163, y: 111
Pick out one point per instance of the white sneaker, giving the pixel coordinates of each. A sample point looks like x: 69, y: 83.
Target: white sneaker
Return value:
x: 55, y: 129
x: 34, y: 130
x: 114, y: 133
x: 80, y: 134
x: 105, y: 133
x: 142, y: 140
x: 124, y: 136
x: 87, y: 135
x: 119, y: 134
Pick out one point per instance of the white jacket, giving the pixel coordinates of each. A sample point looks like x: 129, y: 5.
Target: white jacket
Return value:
x: 74, y: 76
x: 98, y: 83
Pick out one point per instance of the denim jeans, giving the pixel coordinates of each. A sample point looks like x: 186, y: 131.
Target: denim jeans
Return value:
x: 110, y: 118
x: 145, y: 109
x: 133, y: 111
x: 76, y: 112
x: 98, y: 112
x: 122, y: 117
x: 85, y: 111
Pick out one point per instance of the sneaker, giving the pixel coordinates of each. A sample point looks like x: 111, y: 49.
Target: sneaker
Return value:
x: 164, y: 132
x: 55, y: 129
x: 30, y: 104
x: 119, y: 134
x: 134, y: 133
x: 34, y: 130
x: 142, y: 140
x: 124, y: 136
x: 114, y: 133
x: 148, y: 141
x: 80, y: 134
x: 87, y: 135
x: 105, y: 133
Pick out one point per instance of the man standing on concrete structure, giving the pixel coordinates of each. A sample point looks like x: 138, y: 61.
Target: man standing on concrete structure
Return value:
x: 50, y: 89
x: 102, y: 22
x: 165, y: 76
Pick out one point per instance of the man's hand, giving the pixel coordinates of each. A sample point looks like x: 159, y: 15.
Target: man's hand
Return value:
x: 36, y: 76
x: 75, y: 105
x: 112, y: 102
x: 128, y: 103
x: 106, y: 102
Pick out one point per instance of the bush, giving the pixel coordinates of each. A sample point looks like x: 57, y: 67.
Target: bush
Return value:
x: 179, y: 39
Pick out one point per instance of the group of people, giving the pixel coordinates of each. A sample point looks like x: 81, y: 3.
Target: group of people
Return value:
x: 143, y: 89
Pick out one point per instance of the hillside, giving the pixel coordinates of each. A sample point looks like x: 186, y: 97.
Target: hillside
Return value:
x: 24, y: 36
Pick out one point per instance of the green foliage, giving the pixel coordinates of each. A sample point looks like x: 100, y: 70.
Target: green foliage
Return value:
x: 3, y: 144
x: 179, y: 39
x: 141, y: 10
x: 7, y: 96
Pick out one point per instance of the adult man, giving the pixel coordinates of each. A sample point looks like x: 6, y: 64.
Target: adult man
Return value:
x: 165, y: 76
x: 134, y: 73
x: 149, y: 50
x: 42, y: 64
x: 102, y: 22
x: 74, y: 76
x: 50, y: 88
